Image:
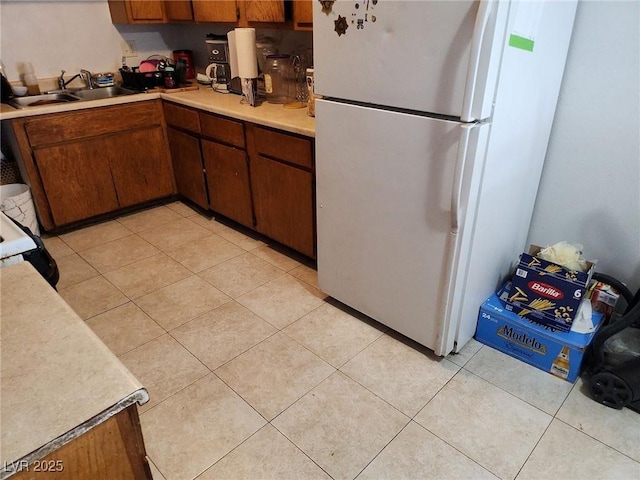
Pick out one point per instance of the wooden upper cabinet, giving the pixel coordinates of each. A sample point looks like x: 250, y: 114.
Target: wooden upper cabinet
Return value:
x: 271, y: 11
x: 302, y: 15
x: 137, y: 11
x: 215, y: 11
x: 178, y: 10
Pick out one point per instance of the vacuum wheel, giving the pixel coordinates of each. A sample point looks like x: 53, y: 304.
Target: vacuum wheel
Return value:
x: 610, y: 390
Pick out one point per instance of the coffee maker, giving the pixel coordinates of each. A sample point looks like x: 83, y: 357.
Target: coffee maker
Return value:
x: 219, y: 69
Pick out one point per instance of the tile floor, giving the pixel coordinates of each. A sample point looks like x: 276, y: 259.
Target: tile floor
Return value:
x: 254, y: 374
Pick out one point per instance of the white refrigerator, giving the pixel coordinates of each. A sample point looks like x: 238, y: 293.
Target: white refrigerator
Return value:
x: 430, y: 141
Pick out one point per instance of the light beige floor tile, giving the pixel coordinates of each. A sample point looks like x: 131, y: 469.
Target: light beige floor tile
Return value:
x: 56, y: 247
x: 282, y: 301
x: 73, y: 269
x: 95, y: 235
x: 240, y: 274
x: 240, y: 239
x: 164, y: 367
x: 175, y: 304
x: 418, y: 454
x: 540, y: 389
x: 223, y: 334
x: 276, y: 257
x: 118, y: 253
x: 274, y: 374
x: 171, y: 235
x: 146, y: 219
x: 155, y: 473
x: 125, y: 328
x: 148, y: 275
x: 564, y: 452
x: 182, y: 208
x: 193, y: 429
x: 306, y: 274
x: 92, y: 297
x: 487, y: 424
x: 619, y: 429
x: 406, y: 376
x: 333, y: 334
x: 210, y: 224
x: 205, y: 252
x: 340, y: 425
x: 468, y: 351
x: 266, y: 455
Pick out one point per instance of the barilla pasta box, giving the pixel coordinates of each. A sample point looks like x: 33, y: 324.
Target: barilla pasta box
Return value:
x: 546, y: 292
x: 559, y: 353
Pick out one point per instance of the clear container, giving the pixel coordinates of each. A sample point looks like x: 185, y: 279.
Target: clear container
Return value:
x: 277, y: 78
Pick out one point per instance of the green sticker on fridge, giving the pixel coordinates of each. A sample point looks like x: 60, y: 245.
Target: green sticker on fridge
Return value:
x: 522, y: 43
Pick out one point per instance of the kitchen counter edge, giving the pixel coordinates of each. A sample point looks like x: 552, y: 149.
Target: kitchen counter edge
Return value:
x: 270, y: 115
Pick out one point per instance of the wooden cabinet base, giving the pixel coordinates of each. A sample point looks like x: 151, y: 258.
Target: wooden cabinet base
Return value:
x: 113, y: 450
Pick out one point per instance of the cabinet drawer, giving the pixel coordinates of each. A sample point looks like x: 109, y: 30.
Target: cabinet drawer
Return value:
x: 222, y: 129
x: 181, y: 117
x: 63, y: 127
x: 281, y: 146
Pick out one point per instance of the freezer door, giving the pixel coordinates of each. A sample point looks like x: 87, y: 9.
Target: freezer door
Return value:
x: 429, y: 56
x: 386, y: 182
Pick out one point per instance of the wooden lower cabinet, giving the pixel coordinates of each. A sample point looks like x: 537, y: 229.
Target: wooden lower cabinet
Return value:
x: 260, y: 177
x: 228, y: 181
x: 188, y: 167
x: 111, y: 450
x: 77, y: 180
x: 283, y: 197
x: 91, y: 162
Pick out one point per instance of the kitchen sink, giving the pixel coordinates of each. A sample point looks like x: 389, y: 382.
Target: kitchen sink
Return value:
x: 43, y: 99
x: 100, y: 93
x: 72, y: 95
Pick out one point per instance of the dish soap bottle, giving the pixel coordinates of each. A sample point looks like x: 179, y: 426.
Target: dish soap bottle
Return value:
x: 30, y: 80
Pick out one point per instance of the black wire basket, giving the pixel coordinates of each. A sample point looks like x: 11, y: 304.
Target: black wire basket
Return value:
x: 141, y: 81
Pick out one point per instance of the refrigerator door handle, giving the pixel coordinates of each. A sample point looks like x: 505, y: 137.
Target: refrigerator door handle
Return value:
x: 479, y: 30
x: 458, y: 177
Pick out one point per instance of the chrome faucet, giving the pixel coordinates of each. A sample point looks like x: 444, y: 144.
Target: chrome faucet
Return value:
x: 62, y: 84
x: 88, y: 78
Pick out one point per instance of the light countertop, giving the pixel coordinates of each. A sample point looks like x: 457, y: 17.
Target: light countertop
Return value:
x: 267, y: 114
x: 58, y: 378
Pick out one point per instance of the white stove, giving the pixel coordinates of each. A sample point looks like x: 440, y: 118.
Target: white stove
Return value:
x: 13, y: 242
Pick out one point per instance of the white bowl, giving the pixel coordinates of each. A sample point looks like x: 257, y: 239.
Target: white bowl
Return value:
x: 19, y: 90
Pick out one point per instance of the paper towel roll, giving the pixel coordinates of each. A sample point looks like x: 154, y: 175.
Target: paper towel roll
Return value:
x: 247, y: 53
x: 233, y: 54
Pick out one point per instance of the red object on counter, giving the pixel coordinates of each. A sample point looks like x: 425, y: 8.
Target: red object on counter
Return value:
x: 187, y: 57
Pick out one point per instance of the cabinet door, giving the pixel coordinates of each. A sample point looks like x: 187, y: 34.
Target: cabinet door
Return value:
x: 283, y: 199
x: 146, y: 10
x: 228, y: 180
x: 215, y: 11
x: 178, y: 10
x: 264, y: 11
x: 141, y: 167
x: 302, y: 15
x: 77, y: 180
x: 187, y: 166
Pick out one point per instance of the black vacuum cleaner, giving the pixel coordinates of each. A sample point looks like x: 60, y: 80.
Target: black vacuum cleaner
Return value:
x: 613, y: 373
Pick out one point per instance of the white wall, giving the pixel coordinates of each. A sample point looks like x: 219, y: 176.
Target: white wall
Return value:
x: 590, y: 188
x: 70, y: 35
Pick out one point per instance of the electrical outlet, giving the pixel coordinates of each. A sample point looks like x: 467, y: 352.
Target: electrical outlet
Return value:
x: 129, y: 48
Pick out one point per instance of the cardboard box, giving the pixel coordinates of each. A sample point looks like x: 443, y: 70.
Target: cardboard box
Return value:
x: 546, y: 292
x: 603, y: 298
x: 556, y: 352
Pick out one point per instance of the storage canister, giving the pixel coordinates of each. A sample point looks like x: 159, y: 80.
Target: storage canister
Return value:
x: 276, y: 78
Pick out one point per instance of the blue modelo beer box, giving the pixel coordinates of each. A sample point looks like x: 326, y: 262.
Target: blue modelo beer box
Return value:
x: 559, y: 353
x: 546, y: 292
